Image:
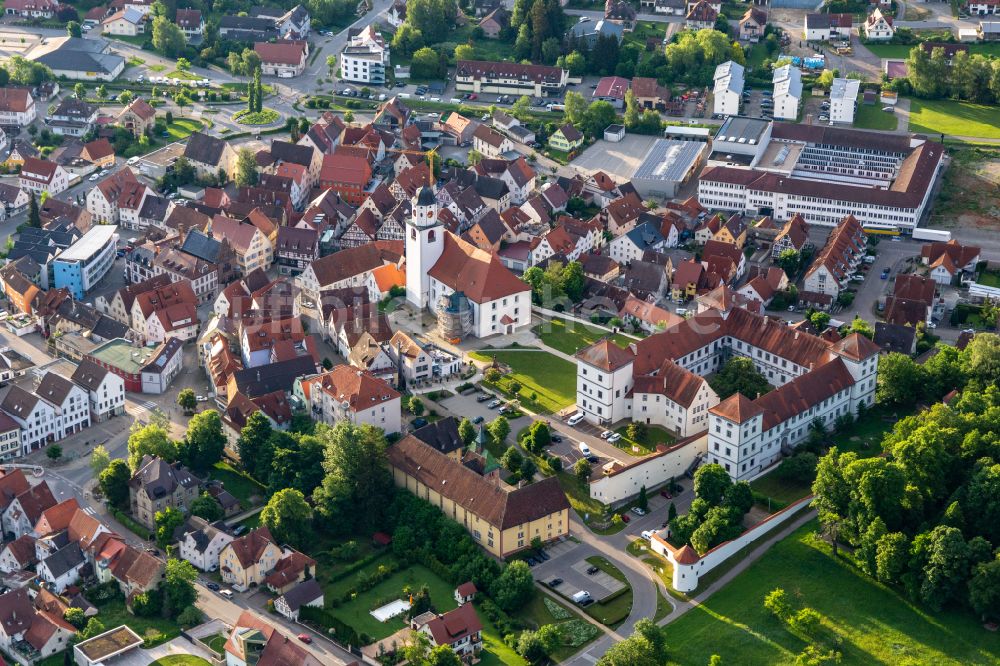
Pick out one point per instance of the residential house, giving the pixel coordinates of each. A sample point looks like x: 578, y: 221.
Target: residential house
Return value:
x: 349, y: 394
x: 295, y: 250
x: 168, y: 311
x: 620, y: 12
x: 631, y: 245
x: 844, y: 100
x: 752, y: 24
x: 728, y: 88
x: 62, y: 568
x: 787, y: 97
x: 365, y: 58
x: 244, y: 562
x: 191, y: 23
x: 649, y: 94
x: 121, y: 191
x: 647, y: 316
x: 201, y: 542
x: 459, y: 127
x: 420, y: 361
x: 490, y: 143
x: 347, y: 175
x: 55, y: 409
x: 826, y: 27
x: 306, y: 593
x: 39, y: 176
x: 158, y: 484
x: 73, y: 117
x: 793, y: 236
x: 284, y: 59
x: 24, y: 510
x: 701, y: 16
x: 253, y: 248
x: 588, y: 32
x: 495, y: 22
x: 612, y: 89
x: 128, y: 21
x: 566, y: 139
x: 878, y: 27
x: 834, y: 264
x: 948, y: 260
x: 210, y: 155
x: 459, y: 629
x: 106, y: 390
x: 17, y: 107
x: 254, y: 640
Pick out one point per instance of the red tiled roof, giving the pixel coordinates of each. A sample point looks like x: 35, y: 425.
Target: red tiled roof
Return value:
x: 479, y: 274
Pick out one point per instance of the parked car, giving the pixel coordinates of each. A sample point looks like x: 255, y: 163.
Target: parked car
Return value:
x: 545, y: 557
x: 531, y: 561
x: 473, y: 96
x: 625, y: 518
x: 614, y: 437
x: 606, y: 434
x: 556, y: 438
x: 584, y: 449
x: 592, y: 459
x: 419, y: 422
x: 592, y: 570
x: 666, y: 493
x: 555, y: 582
x: 212, y: 586
x: 483, y: 397
x: 478, y: 419
x: 305, y: 638
x: 646, y: 534
x: 494, y: 404
x: 639, y: 511
x: 576, y: 418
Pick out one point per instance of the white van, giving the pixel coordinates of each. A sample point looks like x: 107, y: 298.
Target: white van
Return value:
x: 228, y: 594
x: 581, y: 597
x: 576, y: 418
x: 584, y: 449
x: 404, y: 95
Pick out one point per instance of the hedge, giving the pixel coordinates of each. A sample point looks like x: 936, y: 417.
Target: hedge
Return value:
x: 131, y: 524
x: 343, y: 632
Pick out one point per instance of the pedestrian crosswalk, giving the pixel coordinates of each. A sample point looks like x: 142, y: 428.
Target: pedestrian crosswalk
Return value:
x: 90, y: 511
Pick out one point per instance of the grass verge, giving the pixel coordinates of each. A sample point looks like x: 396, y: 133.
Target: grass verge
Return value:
x: 551, y: 378
x: 955, y: 118
x: 615, y: 610
x: 246, y: 490
x: 569, y: 337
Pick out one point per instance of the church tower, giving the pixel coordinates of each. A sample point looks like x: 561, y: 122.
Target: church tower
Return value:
x: 424, y: 244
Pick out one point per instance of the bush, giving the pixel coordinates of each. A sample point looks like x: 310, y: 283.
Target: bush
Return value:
x: 800, y: 468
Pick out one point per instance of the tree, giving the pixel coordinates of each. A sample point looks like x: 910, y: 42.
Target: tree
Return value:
x: 800, y: 468
x: 99, y: 459
x: 425, y: 63
x: 739, y: 375
x: 183, y: 64
x: 54, y: 452
x: 539, y: 436
x: 981, y: 359
x: 73, y: 29
x: 861, y: 327
x: 167, y: 520
x: 891, y: 556
x: 415, y: 405
x: 113, y: 482
x: 945, y: 571
x: 207, y: 507
x: 576, y: 107
x: 348, y: 116
x: 101, y: 92
x: 636, y: 431
x: 511, y: 459
x: 151, y: 440
x: 94, y: 628
x: 643, y: 501
x: 167, y: 37
x: 645, y: 647
x: 34, y: 217
x: 407, y: 40
x: 520, y: 108
x: 258, y: 97
x: 467, y: 431
x: 632, y: 115
x: 711, y: 483
x: 126, y: 97
x: 331, y: 64
x: 789, y: 261
x: 75, y: 617
x: 499, y: 428
x: 900, y: 380
x: 190, y: 617
x: 818, y: 319
x: 433, y: 18
x: 178, y: 586
x: 443, y: 655
x: 204, y: 441
x: 27, y: 73
x: 984, y: 589
x: 357, y: 485
x: 288, y: 516
x: 599, y: 115
x: 514, y: 587
x: 464, y: 52
x: 778, y: 604
x: 246, y: 168
x: 582, y: 470
x: 187, y: 400
x: 253, y: 437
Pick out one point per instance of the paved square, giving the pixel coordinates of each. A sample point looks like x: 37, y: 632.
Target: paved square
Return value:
x: 618, y: 160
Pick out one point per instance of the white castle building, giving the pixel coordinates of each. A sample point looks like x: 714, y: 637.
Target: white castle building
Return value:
x: 660, y: 380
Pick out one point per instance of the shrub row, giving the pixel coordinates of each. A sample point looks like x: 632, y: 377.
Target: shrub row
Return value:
x: 341, y: 631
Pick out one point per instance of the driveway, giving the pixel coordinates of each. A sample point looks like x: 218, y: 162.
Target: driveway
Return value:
x: 178, y: 646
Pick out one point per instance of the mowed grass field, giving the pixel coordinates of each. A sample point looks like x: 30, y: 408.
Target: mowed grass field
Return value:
x: 870, y: 624
x: 902, y: 51
x: 955, y: 118
x: 871, y: 116
x: 569, y: 337
x: 550, y: 377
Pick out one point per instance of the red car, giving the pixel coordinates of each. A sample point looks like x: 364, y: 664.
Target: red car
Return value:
x: 666, y: 494
x: 473, y: 96
x: 305, y: 638
x: 625, y: 518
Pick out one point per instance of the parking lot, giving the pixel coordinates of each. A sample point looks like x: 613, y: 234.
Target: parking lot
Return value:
x: 618, y: 160
x: 568, y: 563
x: 466, y: 406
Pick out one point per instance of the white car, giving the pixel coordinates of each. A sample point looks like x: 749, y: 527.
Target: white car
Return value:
x: 94, y: 177
x: 647, y: 535
x: 614, y: 437
x: 606, y: 434
x: 576, y: 418
x: 132, y: 160
x: 637, y: 511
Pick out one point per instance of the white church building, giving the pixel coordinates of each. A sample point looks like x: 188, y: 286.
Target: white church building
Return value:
x: 470, y: 290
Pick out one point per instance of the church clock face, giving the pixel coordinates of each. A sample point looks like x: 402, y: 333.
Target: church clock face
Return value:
x: 430, y: 214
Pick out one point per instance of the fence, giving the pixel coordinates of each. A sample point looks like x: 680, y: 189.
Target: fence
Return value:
x: 688, y: 567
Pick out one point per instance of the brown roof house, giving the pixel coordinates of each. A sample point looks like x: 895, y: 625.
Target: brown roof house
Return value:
x: 138, y: 117
x: 284, y: 58
x: 502, y: 520
x: 158, y: 484
x: 459, y: 629
x: 246, y: 561
x: 254, y: 640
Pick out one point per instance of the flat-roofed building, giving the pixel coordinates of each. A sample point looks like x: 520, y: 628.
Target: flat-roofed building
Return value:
x: 81, y: 266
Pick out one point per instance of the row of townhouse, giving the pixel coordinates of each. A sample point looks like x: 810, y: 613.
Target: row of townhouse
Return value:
x: 59, y: 407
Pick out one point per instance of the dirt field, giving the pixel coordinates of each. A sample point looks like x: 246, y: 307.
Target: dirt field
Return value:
x: 969, y: 201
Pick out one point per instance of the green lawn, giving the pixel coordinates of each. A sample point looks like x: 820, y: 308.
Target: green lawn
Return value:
x: 550, y: 377
x: 989, y: 279
x: 778, y: 489
x: 865, y: 435
x: 570, y: 337
x: 158, y: 630
x: 645, y: 30
x: 902, y: 51
x: 182, y: 75
x: 181, y: 660
x: 955, y: 118
x: 871, y: 116
x: 217, y: 643
x: 546, y: 609
x: 647, y: 444
x: 182, y: 128
x: 615, y: 611
x: 356, y: 612
x: 157, y: 68
x: 871, y: 623
x: 246, y: 490
x: 588, y: 508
